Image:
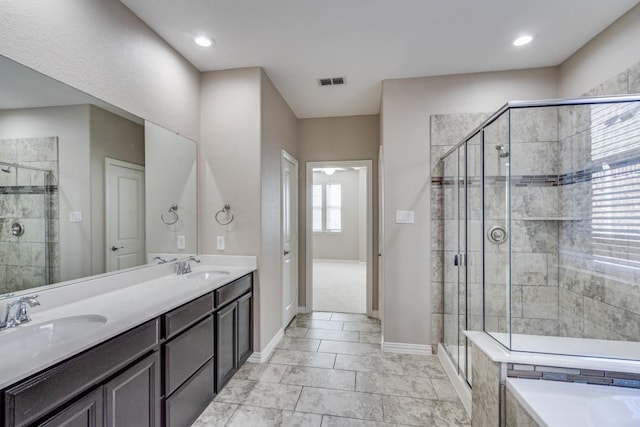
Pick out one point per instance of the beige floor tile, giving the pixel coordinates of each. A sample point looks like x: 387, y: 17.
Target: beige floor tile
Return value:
x: 370, y: 363
x: 444, y: 389
x: 370, y: 337
x: 246, y: 416
x: 318, y: 324
x: 348, y: 404
x: 303, y: 358
x: 319, y: 315
x: 217, y: 414
x: 359, y: 348
x: 265, y: 372
x: 397, y: 385
x: 353, y: 317
x: 320, y: 378
x: 265, y: 395
x: 303, y: 344
x: 294, y: 332
x: 325, y: 334
x: 423, y: 412
x: 361, y: 326
x: 331, y: 421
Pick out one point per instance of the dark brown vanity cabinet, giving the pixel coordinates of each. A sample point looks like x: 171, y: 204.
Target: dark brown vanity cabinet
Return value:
x: 114, y: 383
x: 188, y: 361
x: 162, y: 373
x: 234, y: 338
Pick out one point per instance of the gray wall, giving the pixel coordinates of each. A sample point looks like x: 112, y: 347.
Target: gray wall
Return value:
x: 407, y: 105
x: 103, y: 49
x: 117, y: 138
x: 346, y: 244
x: 71, y: 126
x: 170, y: 177
x: 337, y: 138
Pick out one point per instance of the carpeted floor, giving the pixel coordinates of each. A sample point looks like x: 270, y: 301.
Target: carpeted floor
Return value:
x: 339, y: 286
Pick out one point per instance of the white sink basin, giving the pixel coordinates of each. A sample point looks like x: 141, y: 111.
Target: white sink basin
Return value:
x: 32, y: 338
x: 207, y: 274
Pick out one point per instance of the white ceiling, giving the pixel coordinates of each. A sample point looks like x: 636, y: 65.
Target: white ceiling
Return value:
x: 299, y: 41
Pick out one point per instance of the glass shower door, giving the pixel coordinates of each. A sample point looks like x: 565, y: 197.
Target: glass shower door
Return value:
x: 451, y: 255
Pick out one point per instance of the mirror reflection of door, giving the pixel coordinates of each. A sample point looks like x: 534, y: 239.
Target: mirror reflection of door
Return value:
x: 125, y: 223
x: 289, y: 180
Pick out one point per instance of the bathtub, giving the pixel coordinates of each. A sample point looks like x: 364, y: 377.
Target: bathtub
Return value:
x: 561, y: 404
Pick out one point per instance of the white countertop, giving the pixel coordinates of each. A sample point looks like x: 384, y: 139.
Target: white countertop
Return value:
x: 498, y: 353
x: 561, y: 404
x: 123, y: 308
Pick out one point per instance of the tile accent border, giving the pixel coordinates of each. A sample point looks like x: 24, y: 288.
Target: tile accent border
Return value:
x: 264, y: 355
x: 585, y: 376
x: 398, y: 347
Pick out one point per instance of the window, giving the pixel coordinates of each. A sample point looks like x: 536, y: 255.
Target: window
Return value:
x: 327, y: 208
x: 317, y: 208
x: 615, y: 205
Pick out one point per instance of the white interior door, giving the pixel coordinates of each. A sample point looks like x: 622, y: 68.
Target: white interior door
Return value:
x: 125, y: 223
x: 289, y: 197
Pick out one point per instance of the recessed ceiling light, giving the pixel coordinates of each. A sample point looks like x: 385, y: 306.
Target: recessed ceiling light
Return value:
x: 203, y: 41
x: 522, y: 40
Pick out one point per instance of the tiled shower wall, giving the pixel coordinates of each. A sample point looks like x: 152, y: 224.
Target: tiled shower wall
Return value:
x: 595, y: 300
x: 29, y: 197
x: 556, y: 288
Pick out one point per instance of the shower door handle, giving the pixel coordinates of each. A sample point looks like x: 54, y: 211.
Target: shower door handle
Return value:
x: 456, y: 259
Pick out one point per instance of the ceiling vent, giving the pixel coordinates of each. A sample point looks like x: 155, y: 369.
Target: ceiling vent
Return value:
x: 331, y: 81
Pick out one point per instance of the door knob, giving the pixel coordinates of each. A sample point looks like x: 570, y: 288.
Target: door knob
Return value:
x: 115, y: 248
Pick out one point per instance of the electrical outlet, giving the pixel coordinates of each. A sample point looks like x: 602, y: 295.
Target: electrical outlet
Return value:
x: 181, y: 242
x: 220, y: 243
x: 404, y: 217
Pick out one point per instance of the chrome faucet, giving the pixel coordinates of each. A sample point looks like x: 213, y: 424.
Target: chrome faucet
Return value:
x: 22, y: 311
x: 184, y: 266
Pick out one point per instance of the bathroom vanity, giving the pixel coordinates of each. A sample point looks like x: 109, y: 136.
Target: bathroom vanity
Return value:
x: 161, y: 370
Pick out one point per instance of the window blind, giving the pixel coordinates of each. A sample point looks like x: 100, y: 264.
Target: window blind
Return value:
x: 615, y: 207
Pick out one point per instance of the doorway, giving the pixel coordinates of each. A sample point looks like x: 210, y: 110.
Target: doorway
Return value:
x: 339, y: 236
x: 124, y: 215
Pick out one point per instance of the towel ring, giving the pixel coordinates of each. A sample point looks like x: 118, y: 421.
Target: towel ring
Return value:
x: 224, y: 210
x: 174, y: 211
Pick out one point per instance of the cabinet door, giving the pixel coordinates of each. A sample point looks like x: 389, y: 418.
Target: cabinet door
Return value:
x: 245, y: 338
x: 86, y: 412
x: 133, y: 397
x: 226, y: 354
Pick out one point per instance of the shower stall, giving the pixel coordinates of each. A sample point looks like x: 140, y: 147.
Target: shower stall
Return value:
x: 541, y: 230
x: 27, y: 227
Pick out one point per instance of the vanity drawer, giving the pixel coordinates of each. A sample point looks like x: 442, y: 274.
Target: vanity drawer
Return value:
x: 233, y: 290
x: 185, y: 354
x: 188, y: 402
x: 31, y: 399
x: 187, y: 314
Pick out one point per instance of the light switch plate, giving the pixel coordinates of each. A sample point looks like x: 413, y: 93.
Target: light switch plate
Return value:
x: 181, y: 242
x: 75, y: 216
x: 404, y: 217
x: 220, y: 243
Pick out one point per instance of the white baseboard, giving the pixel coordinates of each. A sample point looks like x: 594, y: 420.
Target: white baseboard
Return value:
x: 459, y: 384
x: 302, y: 309
x: 264, y: 355
x: 398, y: 347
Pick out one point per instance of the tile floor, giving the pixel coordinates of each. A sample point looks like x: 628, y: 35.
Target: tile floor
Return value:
x: 328, y: 371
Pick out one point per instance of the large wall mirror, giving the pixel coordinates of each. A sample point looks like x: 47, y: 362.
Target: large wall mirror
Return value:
x: 85, y: 188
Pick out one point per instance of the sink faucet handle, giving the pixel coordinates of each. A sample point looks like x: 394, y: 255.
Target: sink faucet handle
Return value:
x: 31, y: 300
x: 192, y: 258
